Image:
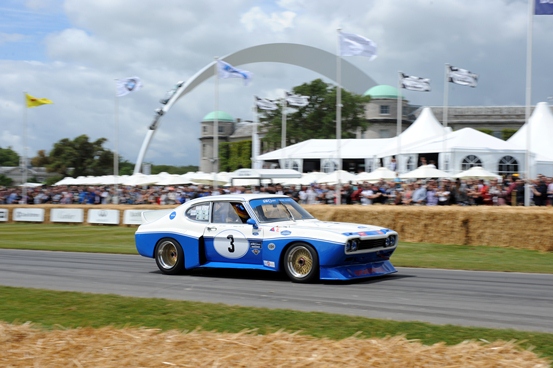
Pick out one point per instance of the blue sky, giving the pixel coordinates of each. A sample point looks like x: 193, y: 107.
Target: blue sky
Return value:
x: 24, y: 28
x: 71, y: 51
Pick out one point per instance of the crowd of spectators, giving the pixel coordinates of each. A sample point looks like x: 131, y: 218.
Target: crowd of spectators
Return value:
x: 444, y: 192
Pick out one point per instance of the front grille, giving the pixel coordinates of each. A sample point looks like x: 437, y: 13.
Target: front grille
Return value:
x: 371, y: 244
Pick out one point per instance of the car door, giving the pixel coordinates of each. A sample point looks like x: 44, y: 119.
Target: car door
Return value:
x: 228, y: 239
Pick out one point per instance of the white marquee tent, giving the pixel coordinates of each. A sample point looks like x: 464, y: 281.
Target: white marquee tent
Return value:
x: 540, y: 126
x: 465, y: 148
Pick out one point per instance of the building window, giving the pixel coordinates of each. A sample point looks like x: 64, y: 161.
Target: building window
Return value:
x: 204, y: 129
x: 384, y: 110
x: 384, y: 133
x: 508, y: 165
x: 203, y: 150
x: 221, y: 129
x: 470, y: 161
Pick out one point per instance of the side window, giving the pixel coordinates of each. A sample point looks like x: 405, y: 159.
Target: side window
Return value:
x: 229, y: 212
x: 198, y: 213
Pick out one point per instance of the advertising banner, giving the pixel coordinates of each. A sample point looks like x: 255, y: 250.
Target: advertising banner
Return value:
x: 28, y: 214
x: 110, y: 217
x: 4, y: 215
x: 132, y: 217
x: 66, y: 215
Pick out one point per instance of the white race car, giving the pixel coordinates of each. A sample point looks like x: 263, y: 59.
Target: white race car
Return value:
x: 263, y: 232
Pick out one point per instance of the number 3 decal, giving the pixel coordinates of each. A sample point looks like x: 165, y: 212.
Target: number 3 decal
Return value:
x: 231, y: 244
x: 231, y: 248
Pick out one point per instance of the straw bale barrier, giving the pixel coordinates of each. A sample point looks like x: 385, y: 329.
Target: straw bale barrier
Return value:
x: 25, y: 346
x: 514, y: 227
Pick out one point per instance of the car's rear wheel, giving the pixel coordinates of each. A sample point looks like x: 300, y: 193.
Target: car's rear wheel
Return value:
x: 169, y: 257
x: 301, y: 263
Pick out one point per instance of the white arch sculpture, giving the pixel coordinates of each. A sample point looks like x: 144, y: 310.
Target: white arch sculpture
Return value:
x: 312, y: 58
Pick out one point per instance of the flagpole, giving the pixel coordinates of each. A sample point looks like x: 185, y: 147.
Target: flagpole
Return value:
x: 283, y: 138
x: 531, y: 4
x: 399, y: 121
x: 445, y: 115
x: 215, y: 162
x: 24, y: 162
x: 254, y: 135
x: 116, y: 146
x: 338, y: 118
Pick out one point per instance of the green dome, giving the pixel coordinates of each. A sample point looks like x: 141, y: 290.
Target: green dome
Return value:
x: 382, y: 91
x: 220, y: 115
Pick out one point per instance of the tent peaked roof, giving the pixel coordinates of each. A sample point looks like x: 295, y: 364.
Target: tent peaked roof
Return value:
x: 541, y: 130
x: 426, y: 126
x: 463, y: 138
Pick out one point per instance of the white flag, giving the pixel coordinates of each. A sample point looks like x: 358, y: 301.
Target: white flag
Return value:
x: 128, y: 85
x: 265, y: 104
x: 228, y: 71
x: 462, y: 77
x: 297, y: 100
x: 355, y: 45
x: 413, y: 83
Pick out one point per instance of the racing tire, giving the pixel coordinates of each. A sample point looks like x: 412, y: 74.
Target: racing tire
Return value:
x: 169, y: 257
x: 301, y: 263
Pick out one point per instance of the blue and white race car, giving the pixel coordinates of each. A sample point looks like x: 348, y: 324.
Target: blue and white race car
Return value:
x: 263, y: 232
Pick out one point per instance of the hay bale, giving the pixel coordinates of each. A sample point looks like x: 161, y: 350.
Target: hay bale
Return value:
x: 25, y: 346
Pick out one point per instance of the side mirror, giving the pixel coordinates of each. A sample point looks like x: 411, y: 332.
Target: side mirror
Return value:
x: 253, y: 223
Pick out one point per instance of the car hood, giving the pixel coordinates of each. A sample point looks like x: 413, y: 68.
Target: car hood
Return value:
x: 338, y: 228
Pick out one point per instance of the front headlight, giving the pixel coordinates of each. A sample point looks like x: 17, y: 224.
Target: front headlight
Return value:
x: 348, y: 246
x: 354, y: 245
x: 391, y: 241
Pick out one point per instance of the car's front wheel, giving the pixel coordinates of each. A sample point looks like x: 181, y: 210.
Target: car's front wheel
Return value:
x: 169, y: 257
x: 301, y: 263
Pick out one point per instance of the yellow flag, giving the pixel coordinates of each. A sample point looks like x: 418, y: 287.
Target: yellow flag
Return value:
x: 34, y: 102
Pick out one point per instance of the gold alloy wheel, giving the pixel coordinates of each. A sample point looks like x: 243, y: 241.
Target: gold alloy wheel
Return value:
x: 300, y: 262
x: 167, y: 254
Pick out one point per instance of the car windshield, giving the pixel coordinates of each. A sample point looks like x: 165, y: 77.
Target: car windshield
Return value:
x: 279, y: 209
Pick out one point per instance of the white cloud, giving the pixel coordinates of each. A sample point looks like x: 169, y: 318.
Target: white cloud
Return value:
x: 256, y: 19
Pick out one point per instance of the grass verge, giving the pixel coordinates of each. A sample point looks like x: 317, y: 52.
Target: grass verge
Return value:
x: 117, y: 239
x: 52, y: 309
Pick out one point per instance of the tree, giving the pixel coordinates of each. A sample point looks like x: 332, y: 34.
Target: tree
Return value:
x: 81, y: 156
x: 235, y: 155
x: 507, y: 133
x: 5, y: 181
x: 8, y: 157
x: 179, y: 170
x: 318, y: 119
x: 41, y: 159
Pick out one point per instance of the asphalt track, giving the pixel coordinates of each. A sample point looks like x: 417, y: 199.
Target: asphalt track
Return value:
x: 486, y: 299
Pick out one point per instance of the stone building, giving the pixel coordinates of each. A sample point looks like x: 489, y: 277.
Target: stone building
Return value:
x: 230, y: 130
x: 381, y: 114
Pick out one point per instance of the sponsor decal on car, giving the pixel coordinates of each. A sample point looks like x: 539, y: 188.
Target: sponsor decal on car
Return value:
x: 286, y: 232
x: 275, y: 229
x: 172, y: 215
x: 255, y: 244
x: 269, y: 264
x: 271, y: 246
x: 256, y: 251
